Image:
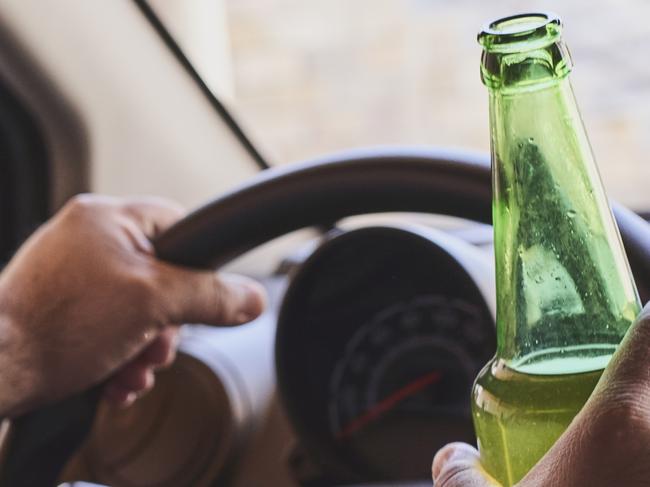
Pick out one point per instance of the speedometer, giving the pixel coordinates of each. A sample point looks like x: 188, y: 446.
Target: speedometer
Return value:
x: 404, y: 377
x: 381, y: 334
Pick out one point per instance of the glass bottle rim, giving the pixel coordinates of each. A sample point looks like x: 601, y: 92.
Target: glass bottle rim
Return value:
x: 521, y: 32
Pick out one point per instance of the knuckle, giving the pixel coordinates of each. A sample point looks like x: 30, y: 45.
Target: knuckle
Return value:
x: 149, y: 381
x: 621, y: 414
x: 144, y: 294
x: 157, y: 210
x: 80, y: 204
x: 456, y: 465
x: 169, y: 358
x: 452, y: 474
x: 166, y: 353
x: 86, y: 205
x: 174, y: 209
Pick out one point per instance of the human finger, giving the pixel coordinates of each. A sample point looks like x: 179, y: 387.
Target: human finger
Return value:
x: 458, y: 465
x: 192, y: 296
x: 153, y: 214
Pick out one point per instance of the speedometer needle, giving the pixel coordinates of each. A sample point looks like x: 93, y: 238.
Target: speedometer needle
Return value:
x: 388, y: 403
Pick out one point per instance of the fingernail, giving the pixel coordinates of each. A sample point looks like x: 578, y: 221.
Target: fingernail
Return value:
x: 452, y: 453
x: 252, y: 297
x: 443, y: 456
x: 242, y: 318
x: 439, y: 461
x: 252, y: 301
x: 128, y: 400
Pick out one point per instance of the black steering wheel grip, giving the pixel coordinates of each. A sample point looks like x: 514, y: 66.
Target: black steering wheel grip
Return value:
x: 272, y: 204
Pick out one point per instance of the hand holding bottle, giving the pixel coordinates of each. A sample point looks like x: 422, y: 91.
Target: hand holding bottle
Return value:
x: 565, y: 293
x: 607, y: 444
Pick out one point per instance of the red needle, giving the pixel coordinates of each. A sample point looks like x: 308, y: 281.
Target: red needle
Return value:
x: 388, y: 403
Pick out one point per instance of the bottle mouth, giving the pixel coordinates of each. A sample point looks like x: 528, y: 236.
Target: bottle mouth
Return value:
x: 521, y: 32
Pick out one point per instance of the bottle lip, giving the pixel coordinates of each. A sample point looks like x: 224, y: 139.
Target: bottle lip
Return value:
x: 521, y: 32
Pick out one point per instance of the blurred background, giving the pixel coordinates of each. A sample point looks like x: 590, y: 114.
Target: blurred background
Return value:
x: 309, y: 77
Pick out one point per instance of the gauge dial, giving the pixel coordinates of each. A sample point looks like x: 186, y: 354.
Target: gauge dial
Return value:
x: 405, y: 376
x: 380, y: 336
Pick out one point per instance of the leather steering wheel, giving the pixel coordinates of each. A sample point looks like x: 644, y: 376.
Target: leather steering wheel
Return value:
x: 272, y: 204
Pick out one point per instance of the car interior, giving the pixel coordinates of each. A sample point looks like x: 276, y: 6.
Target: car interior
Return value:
x: 378, y: 263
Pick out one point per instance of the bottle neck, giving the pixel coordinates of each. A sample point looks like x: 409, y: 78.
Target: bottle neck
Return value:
x: 523, y: 51
x: 564, y: 289
x: 540, y: 65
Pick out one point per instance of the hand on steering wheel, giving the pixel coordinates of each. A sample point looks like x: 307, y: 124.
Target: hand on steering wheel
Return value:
x: 607, y: 444
x: 85, y: 298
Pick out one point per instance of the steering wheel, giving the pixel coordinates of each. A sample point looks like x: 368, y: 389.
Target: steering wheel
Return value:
x: 272, y: 204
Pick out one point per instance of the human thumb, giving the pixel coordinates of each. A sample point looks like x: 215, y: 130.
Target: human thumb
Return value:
x: 626, y: 376
x: 193, y: 296
x: 458, y: 465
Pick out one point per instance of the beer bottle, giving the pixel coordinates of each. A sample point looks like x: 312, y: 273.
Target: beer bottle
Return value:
x: 565, y: 293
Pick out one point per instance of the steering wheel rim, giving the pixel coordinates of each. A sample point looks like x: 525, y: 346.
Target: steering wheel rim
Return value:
x: 276, y: 202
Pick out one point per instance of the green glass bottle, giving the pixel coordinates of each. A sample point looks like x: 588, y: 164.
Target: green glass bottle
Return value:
x: 565, y: 294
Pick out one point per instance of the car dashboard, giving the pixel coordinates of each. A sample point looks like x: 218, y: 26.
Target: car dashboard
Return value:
x: 360, y: 369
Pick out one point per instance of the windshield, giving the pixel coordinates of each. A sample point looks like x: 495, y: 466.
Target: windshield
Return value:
x: 307, y: 78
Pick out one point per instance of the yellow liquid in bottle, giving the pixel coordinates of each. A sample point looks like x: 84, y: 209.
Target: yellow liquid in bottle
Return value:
x: 520, y: 413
